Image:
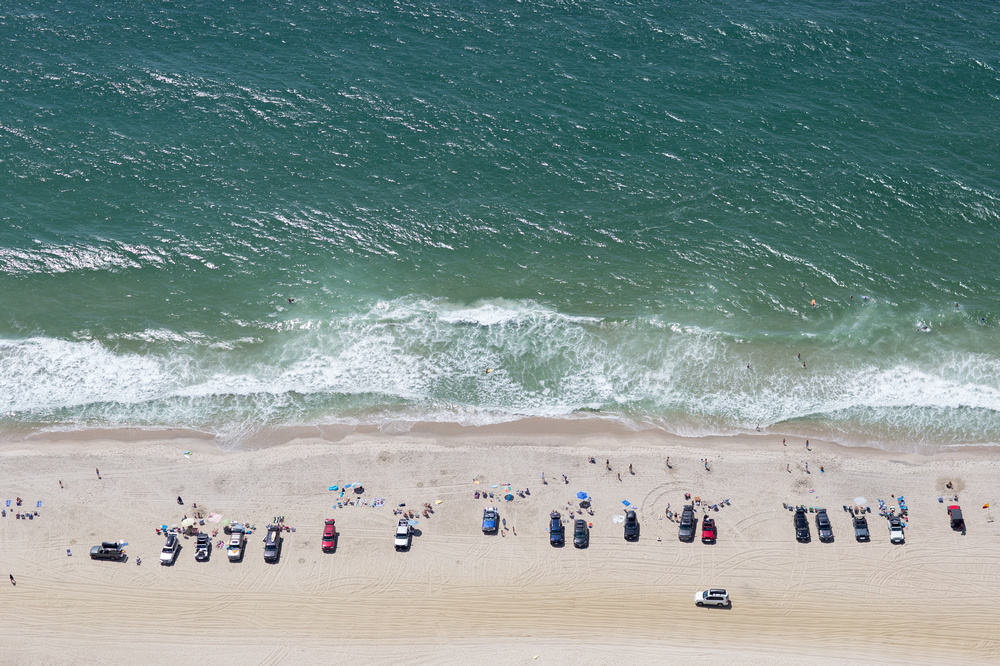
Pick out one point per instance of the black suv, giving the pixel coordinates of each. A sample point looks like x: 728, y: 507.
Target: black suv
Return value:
x: 688, y: 524
x: 801, y: 526
x: 557, y: 534
x: 581, y: 534
x: 631, y: 526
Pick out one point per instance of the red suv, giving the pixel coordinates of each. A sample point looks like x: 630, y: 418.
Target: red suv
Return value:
x: 329, y: 536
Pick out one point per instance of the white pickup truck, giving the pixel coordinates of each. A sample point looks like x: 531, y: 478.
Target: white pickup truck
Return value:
x: 237, y: 541
x: 404, y: 534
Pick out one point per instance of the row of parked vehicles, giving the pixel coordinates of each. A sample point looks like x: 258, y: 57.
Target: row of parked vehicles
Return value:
x: 114, y: 551
x: 235, y: 549
x: 581, y: 530
x: 825, y: 530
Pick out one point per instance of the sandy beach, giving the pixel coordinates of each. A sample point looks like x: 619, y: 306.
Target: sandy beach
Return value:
x: 458, y: 595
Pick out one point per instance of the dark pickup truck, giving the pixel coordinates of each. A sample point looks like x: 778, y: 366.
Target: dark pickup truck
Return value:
x: 957, y: 522
x: 109, y: 550
x: 861, y: 529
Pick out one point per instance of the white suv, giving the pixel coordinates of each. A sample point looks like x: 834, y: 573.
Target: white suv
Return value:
x: 896, y: 530
x: 170, y: 549
x: 715, y: 597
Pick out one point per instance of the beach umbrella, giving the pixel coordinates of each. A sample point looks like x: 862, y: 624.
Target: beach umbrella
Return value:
x: 581, y: 495
x: 187, y: 522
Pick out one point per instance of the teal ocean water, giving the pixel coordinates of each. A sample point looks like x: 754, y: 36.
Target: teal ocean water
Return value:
x: 624, y: 209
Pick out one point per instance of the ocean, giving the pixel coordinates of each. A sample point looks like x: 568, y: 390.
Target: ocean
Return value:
x: 706, y: 217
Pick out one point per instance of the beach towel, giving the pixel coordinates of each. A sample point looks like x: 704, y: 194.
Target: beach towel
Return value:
x: 333, y: 488
x: 626, y: 503
x: 378, y: 501
x: 214, y: 517
x: 38, y: 504
x: 8, y: 502
x: 618, y: 519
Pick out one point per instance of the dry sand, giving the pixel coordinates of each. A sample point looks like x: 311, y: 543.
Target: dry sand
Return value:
x: 459, y: 596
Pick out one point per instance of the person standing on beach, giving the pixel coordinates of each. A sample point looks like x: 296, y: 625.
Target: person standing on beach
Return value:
x: 619, y: 476
x: 98, y: 472
x: 12, y: 581
x: 630, y: 469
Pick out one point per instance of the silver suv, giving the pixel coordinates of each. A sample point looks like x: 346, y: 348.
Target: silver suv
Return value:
x: 272, y: 543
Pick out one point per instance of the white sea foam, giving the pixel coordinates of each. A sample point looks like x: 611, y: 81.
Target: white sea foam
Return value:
x: 415, y: 359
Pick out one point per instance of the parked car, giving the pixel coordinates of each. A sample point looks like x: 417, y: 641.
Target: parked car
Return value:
x: 896, y: 530
x: 557, y: 534
x: 203, y: 548
x: 801, y: 526
x: 823, y: 527
x: 491, y: 520
x: 329, y: 542
x: 688, y: 524
x: 861, y: 529
x: 708, y: 533
x: 170, y: 549
x: 716, y: 597
x: 581, y: 534
x: 631, y: 526
x: 272, y: 543
x: 108, y: 550
x: 957, y: 522
x: 237, y: 543
x: 404, y: 534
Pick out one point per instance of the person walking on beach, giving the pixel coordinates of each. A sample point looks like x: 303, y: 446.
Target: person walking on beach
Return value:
x: 668, y: 462
x: 98, y: 472
x: 12, y: 581
x: 619, y: 476
x: 630, y: 469
x: 807, y: 468
x: 807, y: 445
x: 788, y: 468
x: 543, y: 478
x: 607, y: 463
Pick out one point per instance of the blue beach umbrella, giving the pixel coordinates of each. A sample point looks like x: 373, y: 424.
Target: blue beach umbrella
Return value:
x: 581, y: 495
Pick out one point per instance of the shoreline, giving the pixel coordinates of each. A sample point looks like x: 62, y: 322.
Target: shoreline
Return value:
x: 532, y: 428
